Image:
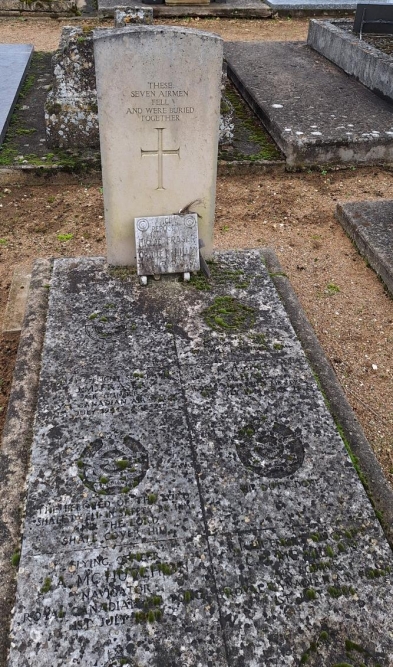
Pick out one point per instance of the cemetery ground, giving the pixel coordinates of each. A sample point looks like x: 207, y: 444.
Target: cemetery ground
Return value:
x: 292, y: 213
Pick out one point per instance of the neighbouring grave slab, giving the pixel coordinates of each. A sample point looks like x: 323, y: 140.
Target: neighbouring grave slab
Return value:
x: 311, y: 5
x: 370, y: 225
x: 190, y: 501
x: 227, y: 8
x: 336, y: 40
x: 14, y: 64
x: 316, y: 6
x: 158, y: 91
x: 310, y: 107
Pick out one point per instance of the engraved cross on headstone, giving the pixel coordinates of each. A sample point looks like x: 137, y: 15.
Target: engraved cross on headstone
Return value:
x: 160, y: 152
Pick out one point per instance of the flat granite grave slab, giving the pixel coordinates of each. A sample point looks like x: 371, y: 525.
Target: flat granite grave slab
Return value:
x: 317, y: 6
x: 370, y: 225
x: 315, y: 113
x: 311, y: 6
x: 228, y: 8
x: 14, y: 63
x: 190, y: 501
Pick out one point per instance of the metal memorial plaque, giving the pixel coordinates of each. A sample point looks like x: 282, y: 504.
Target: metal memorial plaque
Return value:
x: 167, y: 244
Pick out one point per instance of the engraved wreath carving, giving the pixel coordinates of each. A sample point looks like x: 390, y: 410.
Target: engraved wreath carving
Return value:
x: 270, y: 451
x: 107, y: 467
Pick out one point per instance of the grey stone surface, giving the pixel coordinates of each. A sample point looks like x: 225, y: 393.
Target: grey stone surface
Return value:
x: 336, y: 41
x: 313, y: 111
x: 42, y: 6
x: 378, y: 486
x: 14, y: 64
x: 370, y: 225
x: 229, y: 8
x: 167, y: 244
x: 16, y: 304
x: 317, y: 5
x: 311, y: 4
x: 240, y: 534
x: 16, y: 440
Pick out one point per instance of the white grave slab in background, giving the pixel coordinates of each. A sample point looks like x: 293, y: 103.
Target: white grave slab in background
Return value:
x: 159, y: 104
x: 167, y: 244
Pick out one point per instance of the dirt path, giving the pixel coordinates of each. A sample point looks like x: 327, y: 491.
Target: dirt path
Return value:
x: 45, y: 33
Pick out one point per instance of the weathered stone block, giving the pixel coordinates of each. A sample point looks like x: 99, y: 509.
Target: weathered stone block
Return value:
x: 133, y: 15
x: 71, y: 106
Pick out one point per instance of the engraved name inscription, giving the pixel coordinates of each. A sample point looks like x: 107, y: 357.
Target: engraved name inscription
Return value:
x: 167, y: 244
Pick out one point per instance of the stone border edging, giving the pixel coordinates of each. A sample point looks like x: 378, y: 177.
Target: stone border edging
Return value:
x: 378, y: 263
x: 371, y: 67
x: 378, y: 490
x: 16, y: 441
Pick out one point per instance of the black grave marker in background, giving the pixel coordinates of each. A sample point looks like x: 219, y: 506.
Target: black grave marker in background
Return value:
x: 373, y: 18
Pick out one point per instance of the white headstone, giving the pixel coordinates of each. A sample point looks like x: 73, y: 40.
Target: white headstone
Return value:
x: 159, y: 107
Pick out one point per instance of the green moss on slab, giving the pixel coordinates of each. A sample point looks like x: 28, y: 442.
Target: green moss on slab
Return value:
x: 13, y: 152
x: 310, y: 594
x: 251, y: 141
x: 122, y: 272
x: 46, y: 586
x: 229, y: 315
x: 15, y: 559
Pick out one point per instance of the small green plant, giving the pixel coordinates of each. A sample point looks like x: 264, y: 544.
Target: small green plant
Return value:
x: 3, y: 241
x: 310, y: 594
x: 15, y: 559
x: 187, y: 596
x: 122, y: 464
x: 65, y: 237
x: 331, y: 288
x: 47, y: 585
x: 152, y: 498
